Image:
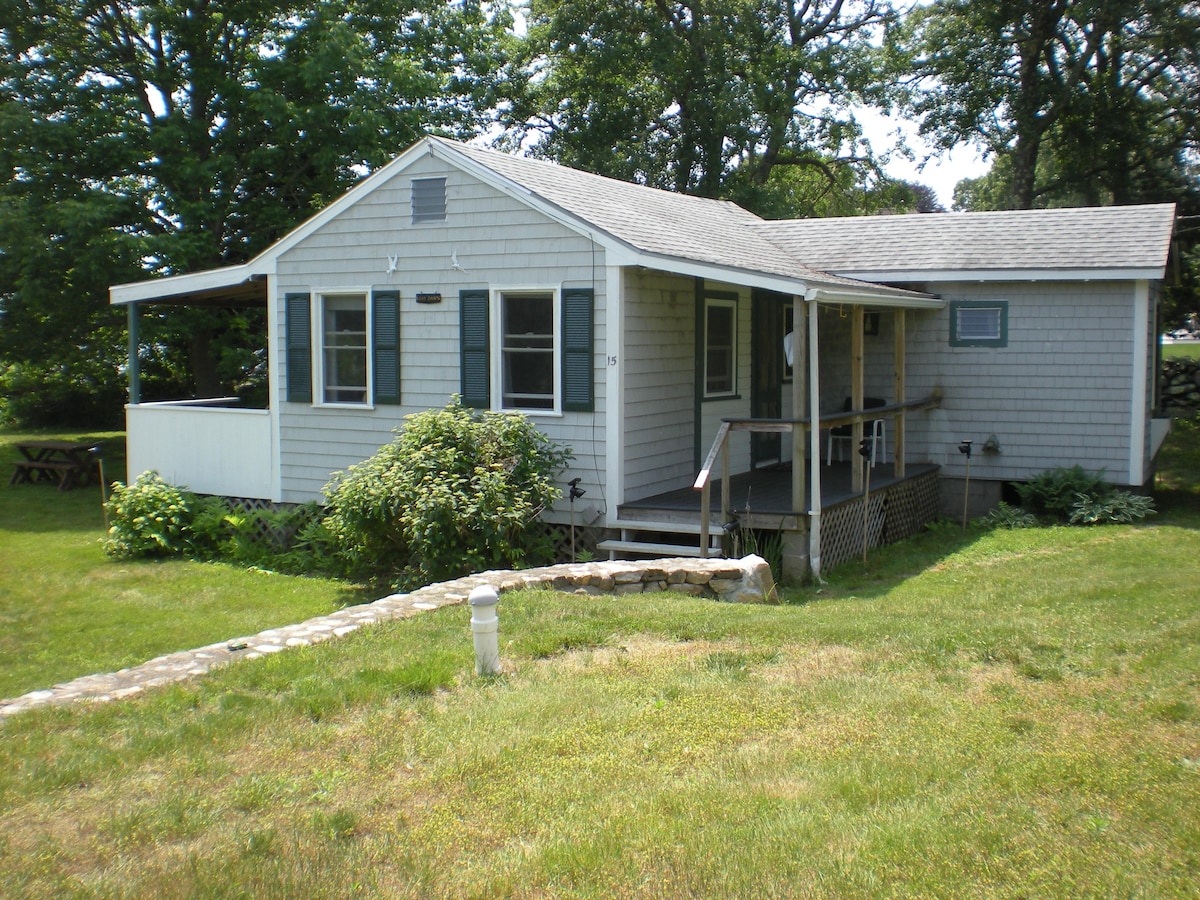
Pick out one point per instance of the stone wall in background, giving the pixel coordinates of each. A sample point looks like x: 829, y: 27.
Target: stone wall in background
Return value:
x: 1179, y: 385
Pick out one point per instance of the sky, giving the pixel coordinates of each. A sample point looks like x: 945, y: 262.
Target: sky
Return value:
x: 941, y: 172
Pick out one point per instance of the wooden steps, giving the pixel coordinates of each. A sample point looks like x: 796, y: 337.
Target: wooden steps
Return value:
x: 660, y: 539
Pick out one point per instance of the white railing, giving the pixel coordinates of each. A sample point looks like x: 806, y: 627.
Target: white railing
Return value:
x: 204, y: 446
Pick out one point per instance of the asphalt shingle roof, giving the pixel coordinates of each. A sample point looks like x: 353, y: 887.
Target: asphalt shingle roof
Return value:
x: 658, y: 222
x: 1080, y: 239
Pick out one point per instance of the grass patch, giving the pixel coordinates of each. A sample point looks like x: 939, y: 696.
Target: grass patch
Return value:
x: 66, y: 610
x: 979, y: 713
x: 1019, y: 719
x: 1188, y: 349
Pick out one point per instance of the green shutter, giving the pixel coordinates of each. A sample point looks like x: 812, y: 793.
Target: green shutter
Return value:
x: 473, y: 348
x: 298, y: 347
x: 385, y: 342
x: 578, y: 394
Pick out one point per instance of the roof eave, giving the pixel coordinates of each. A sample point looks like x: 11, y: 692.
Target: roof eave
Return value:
x: 904, y: 276
x: 782, y: 284
x: 181, y: 288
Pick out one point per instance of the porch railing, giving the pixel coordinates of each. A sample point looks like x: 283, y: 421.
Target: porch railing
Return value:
x: 208, y: 446
x: 720, y: 447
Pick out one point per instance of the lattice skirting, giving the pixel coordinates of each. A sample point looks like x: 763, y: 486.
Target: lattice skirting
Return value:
x: 267, y: 532
x: 893, y: 513
x: 586, y: 539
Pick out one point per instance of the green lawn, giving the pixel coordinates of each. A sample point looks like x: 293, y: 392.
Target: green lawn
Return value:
x: 66, y: 610
x: 1191, y: 348
x: 988, y: 714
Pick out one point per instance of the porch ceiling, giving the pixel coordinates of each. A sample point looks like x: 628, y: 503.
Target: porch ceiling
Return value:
x: 252, y: 292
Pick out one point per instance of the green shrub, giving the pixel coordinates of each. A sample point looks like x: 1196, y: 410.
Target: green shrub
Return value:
x: 1054, y: 492
x: 1005, y: 516
x: 1116, y: 507
x: 457, y: 491
x: 149, y: 518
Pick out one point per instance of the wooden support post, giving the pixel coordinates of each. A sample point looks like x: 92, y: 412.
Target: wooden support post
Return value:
x: 898, y: 433
x: 799, y: 403
x: 856, y: 391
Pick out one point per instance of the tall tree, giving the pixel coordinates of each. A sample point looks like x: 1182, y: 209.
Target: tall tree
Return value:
x: 1082, y: 100
x: 709, y: 97
x: 164, y: 136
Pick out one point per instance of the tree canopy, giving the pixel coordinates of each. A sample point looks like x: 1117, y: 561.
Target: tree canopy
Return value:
x: 1078, y: 101
x: 745, y: 99
x: 148, y: 137
x: 163, y: 136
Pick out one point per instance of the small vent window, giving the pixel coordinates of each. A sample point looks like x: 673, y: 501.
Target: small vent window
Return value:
x: 428, y: 200
x: 979, y: 323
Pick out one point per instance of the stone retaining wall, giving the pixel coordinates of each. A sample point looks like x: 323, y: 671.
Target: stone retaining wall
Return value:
x: 1179, y: 385
x: 745, y: 580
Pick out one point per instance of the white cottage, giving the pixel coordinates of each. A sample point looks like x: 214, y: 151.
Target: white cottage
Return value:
x: 646, y: 330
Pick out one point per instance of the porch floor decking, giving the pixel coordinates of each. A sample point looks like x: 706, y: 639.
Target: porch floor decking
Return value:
x: 768, y: 491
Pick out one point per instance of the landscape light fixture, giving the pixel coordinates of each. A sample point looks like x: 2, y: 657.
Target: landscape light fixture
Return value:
x: 865, y: 449
x: 574, y: 494
x: 964, y: 447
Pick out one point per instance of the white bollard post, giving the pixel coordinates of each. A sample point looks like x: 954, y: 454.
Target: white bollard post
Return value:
x: 484, y: 624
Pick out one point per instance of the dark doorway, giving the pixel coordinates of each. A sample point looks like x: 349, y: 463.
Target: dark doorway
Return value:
x: 766, y: 371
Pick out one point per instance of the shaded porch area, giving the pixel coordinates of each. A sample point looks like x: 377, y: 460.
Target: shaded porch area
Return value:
x: 898, y: 505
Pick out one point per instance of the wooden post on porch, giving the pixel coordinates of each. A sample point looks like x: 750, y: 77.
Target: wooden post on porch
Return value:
x: 799, y: 403
x: 898, y: 449
x: 795, y: 544
x: 856, y: 394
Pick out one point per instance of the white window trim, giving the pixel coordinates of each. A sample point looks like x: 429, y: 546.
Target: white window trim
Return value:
x: 732, y: 305
x: 496, y: 325
x: 317, y: 318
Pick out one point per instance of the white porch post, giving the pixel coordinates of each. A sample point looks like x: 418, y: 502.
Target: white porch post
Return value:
x: 814, y: 440
x: 856, y: 394
x: 799, y: 400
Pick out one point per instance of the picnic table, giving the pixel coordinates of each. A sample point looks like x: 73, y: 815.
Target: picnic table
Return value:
x: 70, y: 464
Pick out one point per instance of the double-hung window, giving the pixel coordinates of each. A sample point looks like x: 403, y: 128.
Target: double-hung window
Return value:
x: 527, y: 349
x: 720, y: 346
x: 345, y: 363
x: 342, y: 347
x: 528, y: 333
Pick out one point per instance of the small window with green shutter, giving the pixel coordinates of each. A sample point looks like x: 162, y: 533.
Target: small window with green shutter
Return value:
x: 298, y: 348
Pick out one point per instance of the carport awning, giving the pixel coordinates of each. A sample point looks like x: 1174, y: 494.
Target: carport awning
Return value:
x: 233, y: 286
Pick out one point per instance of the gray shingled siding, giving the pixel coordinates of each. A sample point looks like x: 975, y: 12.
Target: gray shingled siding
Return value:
x: 660, y: 381
x: 1057, y: 395
x: 500, y: 242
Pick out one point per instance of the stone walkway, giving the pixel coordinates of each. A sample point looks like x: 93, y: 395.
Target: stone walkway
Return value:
x: 745, y: 580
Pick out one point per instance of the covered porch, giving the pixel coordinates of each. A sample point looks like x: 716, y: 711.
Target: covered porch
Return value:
x: 810, y: 529
x: 211, y: 445
x: 845, y: 375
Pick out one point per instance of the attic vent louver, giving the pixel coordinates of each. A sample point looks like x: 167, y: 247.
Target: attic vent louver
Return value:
x: 428, y: 200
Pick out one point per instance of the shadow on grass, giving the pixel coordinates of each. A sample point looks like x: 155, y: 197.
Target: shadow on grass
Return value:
x: 890, y: 565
